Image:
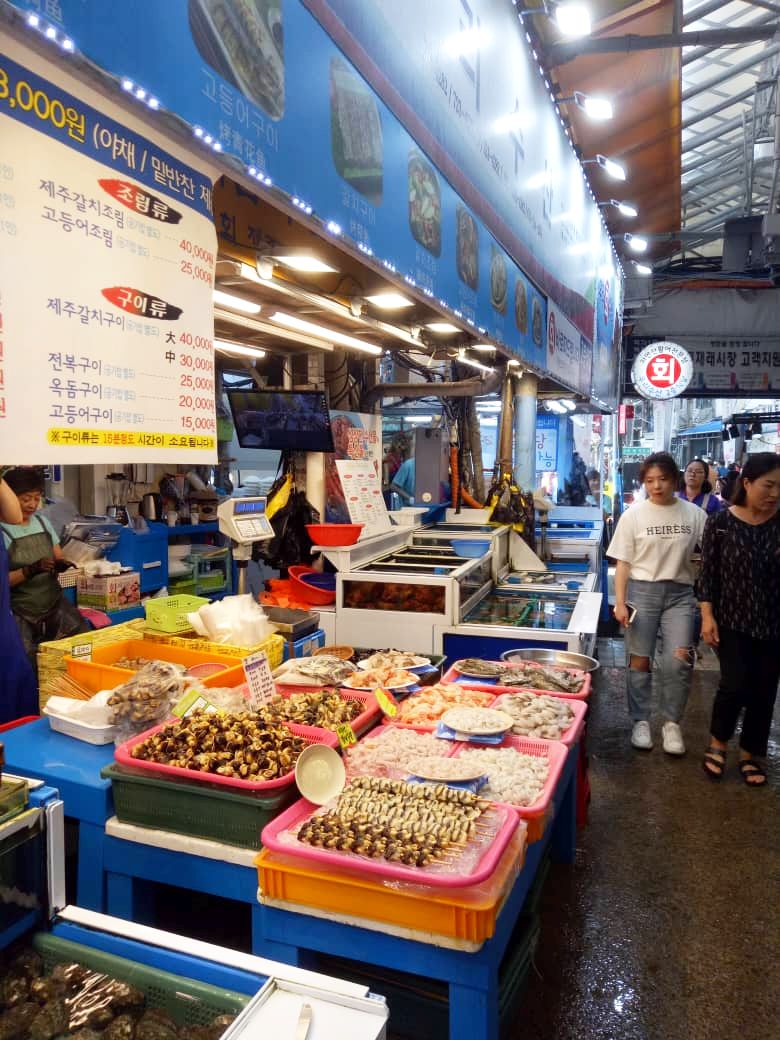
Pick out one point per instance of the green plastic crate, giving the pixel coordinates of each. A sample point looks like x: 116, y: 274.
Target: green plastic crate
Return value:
x: 188, y: 1002
x: 169, y: 613
x: 194, y: 809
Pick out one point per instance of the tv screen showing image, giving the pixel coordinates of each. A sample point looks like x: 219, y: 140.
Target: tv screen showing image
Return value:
x: 281, y: 420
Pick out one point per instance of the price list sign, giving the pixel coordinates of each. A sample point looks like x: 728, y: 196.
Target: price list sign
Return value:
x: 107, y: 251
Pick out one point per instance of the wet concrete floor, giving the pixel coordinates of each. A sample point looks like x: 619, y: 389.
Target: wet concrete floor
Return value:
x: 668, y: 925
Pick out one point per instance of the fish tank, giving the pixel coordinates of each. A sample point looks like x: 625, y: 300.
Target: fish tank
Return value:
x: 531, y: 610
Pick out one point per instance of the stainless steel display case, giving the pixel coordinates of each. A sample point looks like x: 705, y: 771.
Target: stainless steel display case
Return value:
x: 397, y: 599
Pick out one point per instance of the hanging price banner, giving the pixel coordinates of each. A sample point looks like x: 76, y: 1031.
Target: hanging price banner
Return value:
x: 259, y: 679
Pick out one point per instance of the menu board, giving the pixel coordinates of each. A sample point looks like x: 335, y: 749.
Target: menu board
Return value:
x: 363, y: 495
x: 107, y: 251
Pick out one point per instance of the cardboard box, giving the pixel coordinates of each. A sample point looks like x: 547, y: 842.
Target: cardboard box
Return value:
x: 111, y: 592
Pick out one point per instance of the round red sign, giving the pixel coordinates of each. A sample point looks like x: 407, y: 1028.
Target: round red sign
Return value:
x: 662, y: 370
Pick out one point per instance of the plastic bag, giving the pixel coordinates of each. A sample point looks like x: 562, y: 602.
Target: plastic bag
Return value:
x: 146, y: 699
x: 234, y: 620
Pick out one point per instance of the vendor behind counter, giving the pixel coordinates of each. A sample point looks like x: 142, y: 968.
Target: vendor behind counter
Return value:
x: 39, y: 606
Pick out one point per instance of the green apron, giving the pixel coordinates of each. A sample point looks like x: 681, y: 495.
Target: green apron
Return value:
x: 35, y: 598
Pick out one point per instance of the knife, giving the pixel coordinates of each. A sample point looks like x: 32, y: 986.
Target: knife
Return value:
x: 304, y: 1022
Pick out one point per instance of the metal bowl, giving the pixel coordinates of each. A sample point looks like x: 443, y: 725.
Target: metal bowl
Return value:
x: 564, y: 658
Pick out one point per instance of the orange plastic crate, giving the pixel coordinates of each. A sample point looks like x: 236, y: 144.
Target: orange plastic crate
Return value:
x: 468, y: 914
x: 101, y: 672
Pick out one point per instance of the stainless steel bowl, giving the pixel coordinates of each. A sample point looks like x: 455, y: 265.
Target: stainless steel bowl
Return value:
x: 548, y: 656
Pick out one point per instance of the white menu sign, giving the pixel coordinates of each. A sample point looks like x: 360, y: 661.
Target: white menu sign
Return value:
x: 107, y: 250
x: 363, y: 495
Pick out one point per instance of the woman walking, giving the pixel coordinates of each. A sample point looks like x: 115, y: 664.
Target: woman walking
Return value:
x: 739, y: 592
x: 654, y: 543
x: 697, y: 488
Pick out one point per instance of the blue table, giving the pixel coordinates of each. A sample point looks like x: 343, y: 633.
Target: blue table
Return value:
x: 288, y: 936
x: 73, y: 767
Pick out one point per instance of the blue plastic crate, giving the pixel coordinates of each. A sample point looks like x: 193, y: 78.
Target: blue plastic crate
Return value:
x: 305, y: 646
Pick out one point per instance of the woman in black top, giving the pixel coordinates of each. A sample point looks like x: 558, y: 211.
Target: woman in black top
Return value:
x: 739, y: 592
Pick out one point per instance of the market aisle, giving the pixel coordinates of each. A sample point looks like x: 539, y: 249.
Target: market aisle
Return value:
x: 666, y: 927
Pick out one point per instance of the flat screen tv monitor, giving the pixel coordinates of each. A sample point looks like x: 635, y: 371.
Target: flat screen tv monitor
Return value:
x: 282, y: 420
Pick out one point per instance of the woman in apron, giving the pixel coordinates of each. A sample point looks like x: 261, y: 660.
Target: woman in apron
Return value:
x: 18, y: 692
x: 41, y: 609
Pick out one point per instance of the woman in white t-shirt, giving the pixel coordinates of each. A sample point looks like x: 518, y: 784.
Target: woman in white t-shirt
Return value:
x: 654, y: 543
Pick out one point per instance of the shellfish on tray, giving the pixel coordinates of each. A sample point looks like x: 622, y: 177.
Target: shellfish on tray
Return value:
x: 476, y: 668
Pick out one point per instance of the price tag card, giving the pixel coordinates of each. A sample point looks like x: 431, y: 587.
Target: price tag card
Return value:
x: 386, y: 702
x: 193, y: 700
x: 346, y: 735
x: 259, y: 679
x: 82, y: 651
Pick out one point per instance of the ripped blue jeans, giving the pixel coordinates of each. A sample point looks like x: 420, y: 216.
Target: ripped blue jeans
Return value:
x: 665, y: 607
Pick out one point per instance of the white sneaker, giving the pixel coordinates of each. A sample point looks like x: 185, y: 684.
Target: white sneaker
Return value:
x: 641, y: 737
x: 673, y: 740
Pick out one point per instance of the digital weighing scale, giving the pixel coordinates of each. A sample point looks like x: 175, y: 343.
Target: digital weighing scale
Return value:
x: 244, y: 521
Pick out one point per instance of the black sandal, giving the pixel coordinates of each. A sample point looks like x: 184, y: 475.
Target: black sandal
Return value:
x: 749, y: 767
x: 716, y: 757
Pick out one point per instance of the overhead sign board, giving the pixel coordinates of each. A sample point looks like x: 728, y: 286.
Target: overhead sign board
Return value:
x: 661, y: 371
x: 746, y: 366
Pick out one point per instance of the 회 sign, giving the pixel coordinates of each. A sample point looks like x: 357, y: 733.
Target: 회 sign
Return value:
x: 661, y: 371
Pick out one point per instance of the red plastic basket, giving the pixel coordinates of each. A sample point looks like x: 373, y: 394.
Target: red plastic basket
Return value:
x: 124, y: 757
x: 580, y: 709
x: 301, y: 810
x: 360, y: 723
x: 551, y: 749
x: 453, y: 676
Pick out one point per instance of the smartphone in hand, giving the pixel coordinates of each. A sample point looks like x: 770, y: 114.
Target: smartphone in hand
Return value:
x: 632, y: 612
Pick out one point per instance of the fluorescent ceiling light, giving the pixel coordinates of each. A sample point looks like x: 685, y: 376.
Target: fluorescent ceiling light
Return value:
x: 389, y: 301
x: 572, y: 19
x: 555, y: 406
x: 442, y: 327
x: 301, y: 260
x: 627, y: 209
x: 642, y: 268
x: 596, y: 107
x: 237, y: 303
x: 570, y: 406
x: 485, y: 348
x: 331, y: 335
x: 635, y: 242
x: 463, y: 360
x: 245, y: 322
x: 612, y: 168
x: 417, y: 418
x: 224, y: 346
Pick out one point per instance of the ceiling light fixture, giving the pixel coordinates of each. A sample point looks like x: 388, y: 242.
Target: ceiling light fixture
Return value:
x: 417, y: 418
x: 236, y: 303
x: 463, y: 360
x: 224, y: 346
x: 485, y: 348
x: 389, y: 301
x: 597, y: 108
x: 555, y: 406
x: 331, y: 335
x: 623, y: 207
x: 244, y: 322
x: 442, y: 328
x: 570, y: 406
x: 573, y: 19
x: 301, y: 260
x: 642, y: 268
x: 609, y: 166
x: 635, y: 242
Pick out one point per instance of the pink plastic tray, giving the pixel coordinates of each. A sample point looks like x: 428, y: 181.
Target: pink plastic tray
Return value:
x: 552, y: 749
x: 452, y: 676
x: 361, y: 723
x: 397, y: 720
x: 379, y: 733
x: 302, y: 810
x: 124, y: 757
x: 580, y: 709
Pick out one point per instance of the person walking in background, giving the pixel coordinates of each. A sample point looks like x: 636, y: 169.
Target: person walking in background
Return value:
x: 654, y: 543
x: 697, y: 488
x: 18, y: 690
x: 739, y: 593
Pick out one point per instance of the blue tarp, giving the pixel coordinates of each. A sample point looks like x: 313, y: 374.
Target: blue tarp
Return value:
x: 713, y: 426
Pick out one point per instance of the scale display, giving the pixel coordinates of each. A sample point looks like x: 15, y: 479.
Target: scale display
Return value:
x: 519, y: 611
x: 244, y: 520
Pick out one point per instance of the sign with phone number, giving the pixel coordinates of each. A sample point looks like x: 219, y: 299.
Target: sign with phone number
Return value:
x: 113, y: 353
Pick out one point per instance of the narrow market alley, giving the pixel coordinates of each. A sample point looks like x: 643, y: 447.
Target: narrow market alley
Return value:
x: 665, y: 928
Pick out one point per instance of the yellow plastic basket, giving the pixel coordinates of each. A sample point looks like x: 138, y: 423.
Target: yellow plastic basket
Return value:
x: 170, y: 613
x: 272, y: 647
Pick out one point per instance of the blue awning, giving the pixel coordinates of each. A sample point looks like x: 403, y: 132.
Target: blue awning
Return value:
x: 713, y: 426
